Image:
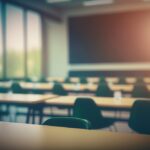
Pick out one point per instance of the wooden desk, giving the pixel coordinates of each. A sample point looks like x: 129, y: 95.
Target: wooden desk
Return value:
x: 24, y: 98
x: 76, y: 87
x: 67, y: 87
x: 35, y: 137
x: 124, y: 88
x: 103, y: 102
x: 32, y: 102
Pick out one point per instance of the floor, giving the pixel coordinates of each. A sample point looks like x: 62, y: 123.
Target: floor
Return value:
x: 120, y: 126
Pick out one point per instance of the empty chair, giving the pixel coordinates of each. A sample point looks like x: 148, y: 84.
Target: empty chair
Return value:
x: 86, y: 108
x: 139, y: 119
x: 83, y: 80
x: 28, y: 80
x: 3, y: 90
x: 16, y: 88
x: 43, y: 80
x: 59, y: 90
x: 104, y: 91
x: 103, y: 80
x: 140, y: 91
x: 122, y: 80
x: 70, y: 122
x: 140, y: 81
x: 67, y: 80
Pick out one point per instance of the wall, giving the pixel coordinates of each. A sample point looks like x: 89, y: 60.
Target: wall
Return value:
x: 57, y: 48
x: 58, y: 44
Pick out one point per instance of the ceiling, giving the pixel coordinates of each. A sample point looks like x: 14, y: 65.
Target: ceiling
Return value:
x: 58, y: 7
x: 69, y: 4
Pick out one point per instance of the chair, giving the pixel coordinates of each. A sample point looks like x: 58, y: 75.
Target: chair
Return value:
x: 122, y: 81
x: 67, y: 80
x: 69, y: 122
x: 86, y: 108
x: 140, y: 91
x: 102, y: 80
x: 83, y: 80
x: 104, y: 91
x: 140, y: 81
x: 43, y: 80
x: 16, y: 88
x: 139, y: 119
x: 59, y: 90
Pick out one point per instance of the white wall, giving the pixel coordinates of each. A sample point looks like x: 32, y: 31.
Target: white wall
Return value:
x: 59, y: 50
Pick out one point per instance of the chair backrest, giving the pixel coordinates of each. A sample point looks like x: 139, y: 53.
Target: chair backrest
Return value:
x: 139, y: 119
x: 16, y: 88
x: 140, y: 91
x: 122, y: 80
x: 67, y: 80
x: 70, y: 122
x: 104, y: 91
x: 83, y: 80
x: 42, y: 80
x: 86, y: 108
x: 59, y: 90
x: 140, y: 81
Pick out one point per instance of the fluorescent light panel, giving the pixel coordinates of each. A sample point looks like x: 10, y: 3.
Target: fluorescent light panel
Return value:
x: 98, y: 2
x: 57, y: 1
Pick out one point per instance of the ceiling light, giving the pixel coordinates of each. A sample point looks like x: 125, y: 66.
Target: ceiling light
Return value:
x: 57, y: 1
x: 97, y: 2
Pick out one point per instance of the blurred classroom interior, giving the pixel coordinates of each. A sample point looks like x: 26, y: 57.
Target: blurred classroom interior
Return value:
x: 75, y: 68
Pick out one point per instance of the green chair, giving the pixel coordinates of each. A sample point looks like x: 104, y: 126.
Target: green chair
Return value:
x: 140, y: 91
x: 4, y: 90
x: 140, y: 81
x: 67, y: 80
x: 122, y: 80
x: 86, y: 108
x: 28, y: 80
x: 139, y: 119
x: 43, y: 80
x: 102, y: 80
x: 16, y: 88
x: 59, y: 90
x: 104, y: 91
x: 70, y: 122
x: 83, y: 80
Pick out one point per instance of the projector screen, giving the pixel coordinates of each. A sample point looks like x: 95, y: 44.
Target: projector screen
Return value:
x: 110, y: 38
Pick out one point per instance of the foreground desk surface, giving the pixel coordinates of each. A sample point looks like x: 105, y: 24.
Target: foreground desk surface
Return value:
x: 24, y: 98
x: 110, y: 102
x: 34, y: 137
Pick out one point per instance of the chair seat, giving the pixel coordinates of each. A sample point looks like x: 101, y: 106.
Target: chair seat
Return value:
x: 103, y: 123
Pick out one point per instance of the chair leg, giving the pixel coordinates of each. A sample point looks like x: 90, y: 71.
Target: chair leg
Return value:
x: 41, y: 116
x: 33, y: 116
x: 28, y: 115
x: 115, y: 128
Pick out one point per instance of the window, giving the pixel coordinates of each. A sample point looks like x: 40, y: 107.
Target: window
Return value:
x: 15, y: 60
x: 34, y: 44
x: 22, y: 42
x: 1, y: 44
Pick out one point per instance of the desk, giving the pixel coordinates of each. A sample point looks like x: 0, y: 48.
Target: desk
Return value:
x: 31, y: 101
x: 35, y: 137
x: 68, y: 87
x: 24, y: 98
x: 122, y: 87
x: 103, y: 102
x: 76, y: 87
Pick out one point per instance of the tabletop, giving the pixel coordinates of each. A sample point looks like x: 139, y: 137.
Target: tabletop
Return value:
x: 24, y: 98
x: 15, y: 136
x: 100, y: 101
